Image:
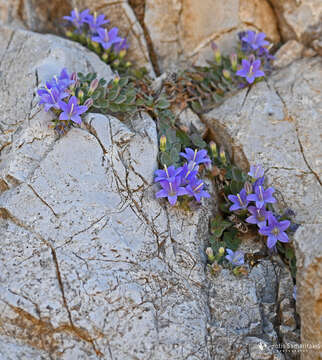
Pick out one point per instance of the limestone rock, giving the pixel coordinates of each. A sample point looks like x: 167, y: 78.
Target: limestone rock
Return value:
x: 90, y: 262
x: 292, y: 50
x: 182, y: 31
x: 277, y: 123
x: 46, y: 16
x: 28, y: 60
x: 299, y: 19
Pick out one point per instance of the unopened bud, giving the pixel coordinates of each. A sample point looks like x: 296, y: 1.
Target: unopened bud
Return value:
x: 226, y: 74
x: 105, y: 57
x: 116, y: 79
x: 80, y: 94
x: 210, y: 254
x: 93, y: 86
x: 122, y: 53
x: 222, y: 156
x: 221, y: 251
x: 89, y: 103
x: 69, y: 33
x: 217, y: 52
x: 248, y: 187
x: 233, y: 61
x: 95, y: 44
x: 116, y: 62
x: 74, y: 77
x: 128, y: 64
x: 163, y: 143
x: 213, y: 148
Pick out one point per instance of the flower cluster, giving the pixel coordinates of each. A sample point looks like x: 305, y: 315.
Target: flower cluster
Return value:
x: 183, y: 180
x: 58, y: 95
x: 89, y: 29
x: 254, y: 51
x: 256, y: 194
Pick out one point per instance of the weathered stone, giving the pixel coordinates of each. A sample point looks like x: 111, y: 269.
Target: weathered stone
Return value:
x: 182, y: 31
x: 27, y: 60
x: 44, y: 16
x: 191, y: 121
x: 91, y: 263
x: 277, y: 123
x: 299, y: 20
x: 292, y: 50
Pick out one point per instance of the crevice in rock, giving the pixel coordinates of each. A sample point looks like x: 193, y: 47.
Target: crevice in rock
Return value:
x: 65, y: 328
x: 278, y: 26
x: 42, y: 200
x: 8, y: 46
x: 298, y: 137
x: 138, y: 7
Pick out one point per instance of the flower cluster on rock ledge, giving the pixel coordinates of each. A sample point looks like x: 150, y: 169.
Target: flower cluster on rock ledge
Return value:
x: 89, y: 30
x: 183, y: 180
x: 259, y: 215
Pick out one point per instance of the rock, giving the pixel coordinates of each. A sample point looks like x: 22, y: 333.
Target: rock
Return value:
x: 299, y: 20
x: 292, y: 50
x: 191, y: 121
x: 317, y: 45
x: 182, y: 32
x: 44, y: 16
x: 276, y: 123
x: 309, y: 286
x: 90, y: 262
x: 28, y: 60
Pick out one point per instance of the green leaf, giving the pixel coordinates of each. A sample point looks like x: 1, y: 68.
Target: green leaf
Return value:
x: 163, y: 104
x: 198, y: 141
x: 236, y: 186
x: 174, y: 156
x: 183, y: 138
x: 231, y: 239
x: 114, y: 93
x: 121, y: 99
x: 101, y: 103
x: 123, y: 81
x: 114, y: 107
x: 196, y: 107
x: 165, y: 159
x: 219, y: 225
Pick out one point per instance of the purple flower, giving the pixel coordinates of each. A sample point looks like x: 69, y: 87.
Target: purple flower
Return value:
x: 50, y: 97
x: 188, y: 173
x: 235, y: 258
x: 256, y: 171
x: 262, y: 196
x: 107, y: 38
x: 72, y: 110
x: 258, y: 216
x: 255, y: 41
x: 168, y: 174
x: 196, y: 157
x: 239, y: 201
x: 171, y: 190
x: 95, y: 22
x: 77, y: 18
x: 122, y: 45
x: 259, y: 182
x: 250, y: 70
x: 275, y: 231
x: 62, y: 81
x: 195, y: 188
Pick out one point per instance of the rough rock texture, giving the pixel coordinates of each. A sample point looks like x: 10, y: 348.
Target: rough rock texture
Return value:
x: 183, y: 30
x: 278, y: 124
x: 91, y: 263
x: 292, y: 50
x: 46, y: 16
x: 299, y: 19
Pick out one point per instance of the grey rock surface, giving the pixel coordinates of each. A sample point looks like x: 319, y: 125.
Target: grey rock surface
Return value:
x: 47, y: 16
x: 91, y: 264
x: 278, y: 124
